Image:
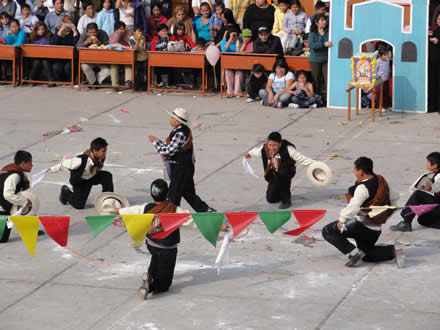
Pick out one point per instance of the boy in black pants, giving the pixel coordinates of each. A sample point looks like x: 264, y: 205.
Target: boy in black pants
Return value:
x: 85, y: 172
x: 257, y: 81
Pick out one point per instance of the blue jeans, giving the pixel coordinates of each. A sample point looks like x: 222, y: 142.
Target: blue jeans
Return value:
x: 303, y: 102
x: 283, y: 98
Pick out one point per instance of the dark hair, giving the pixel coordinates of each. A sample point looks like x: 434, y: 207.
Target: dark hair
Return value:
x: 34, y: 34
x: 111, y: 3
x: 219, y: 3
x: 229, y: 15
x: 120, y: 24
x: 161, y: 27
x: 138, y: 27
x: 295, y: 2
x: 319, y: 5
x: 301, y: 73
x: 365, y: 164
x: 92, y: 26
x: 257, y: 68
x: 434, y: 159
x: 62, y: 1
x: 274, y: 136
x: 22, y: 156
x: 179, y: 26
x: 5, y: 14
x: 317, y: 18
x: 382, y: 51
x: 86, y: 4
x: 205, y: 4
x: 98, y: 144
x: 14, y: 20
x: 159, y: 190
x: 233, y: 29
x: 156, y: 4
x: 25, y: 6
x: 280, y: 61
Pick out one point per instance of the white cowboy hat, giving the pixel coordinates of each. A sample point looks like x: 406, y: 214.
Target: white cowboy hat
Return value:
x: 319, y: 174
x: 108, y: 201
x: 33, y: 210
x: 181, y: 115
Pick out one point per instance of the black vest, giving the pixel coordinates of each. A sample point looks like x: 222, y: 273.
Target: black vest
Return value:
x: 171, y: 239
x: 371, y: 185
x: 20, y: 187
x: 75, y: 175
x: 182, y: 157
x: 286, y: 160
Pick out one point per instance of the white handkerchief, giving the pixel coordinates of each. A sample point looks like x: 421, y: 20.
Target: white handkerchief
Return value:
x: 36, y: 178
x: 248, y: 168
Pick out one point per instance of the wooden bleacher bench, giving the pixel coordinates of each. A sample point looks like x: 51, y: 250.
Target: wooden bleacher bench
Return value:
x: 10, y: 53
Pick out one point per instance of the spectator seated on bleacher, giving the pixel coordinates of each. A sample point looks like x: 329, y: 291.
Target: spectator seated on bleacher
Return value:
x: 266, y: 43
x: 88, y: 17
x: 54, y: 19
x: 120, y: 38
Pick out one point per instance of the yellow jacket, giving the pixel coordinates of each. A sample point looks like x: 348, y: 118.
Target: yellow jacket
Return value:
x: 278, y: 23
x: 238, y: 8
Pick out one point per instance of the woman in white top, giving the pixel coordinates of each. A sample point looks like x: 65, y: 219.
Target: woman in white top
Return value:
x: 278, y: 85
x: 126, y: 13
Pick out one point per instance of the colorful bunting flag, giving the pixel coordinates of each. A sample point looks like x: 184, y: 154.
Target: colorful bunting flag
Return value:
x: 57, y: 228
x: 3, y: 220
x: 98, y: 223
x: 306, y: 219
x: 209, y: 225
x: 170, y: 222
x: 138, y: 225
x: 274, y: 219
x: 27, y: 228
x: 240, y: 220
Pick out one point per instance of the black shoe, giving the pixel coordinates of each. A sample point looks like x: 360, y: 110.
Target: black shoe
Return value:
x: 401, y: 226
x: 211, y: 210
x: 51, y: 85
x: 63, y: 191
x: 285, y: 204
x: 355, y: 260
x: 41, y: 233
x: 129, y: 83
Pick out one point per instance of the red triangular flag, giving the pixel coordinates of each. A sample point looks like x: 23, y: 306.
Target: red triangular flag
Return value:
x: 57, y: 228
x: 240, y: 220
x: 170, y: 222
x: 306, y: 219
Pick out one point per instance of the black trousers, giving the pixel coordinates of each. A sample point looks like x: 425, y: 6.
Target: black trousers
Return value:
x: 365, y: 238
x: 39, y: 66
x: 278, y: 188
x: 430, y: 219
x: 81, y: 191
x: 182, y: 185
x: 161, y: 269
x: 7, y: 231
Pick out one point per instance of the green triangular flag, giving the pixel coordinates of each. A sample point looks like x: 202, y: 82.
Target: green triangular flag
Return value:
x: 209, y: 225
x: 3, y: 220
x: 98, y: 223
x: 274, y: 219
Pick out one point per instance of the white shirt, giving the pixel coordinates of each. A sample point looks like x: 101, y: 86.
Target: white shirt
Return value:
x: 423, y: 179
x: 197, y: 3
x: 295, y: 155
x: 9, y: 191
x: 28, y: 24
x: 125, y: 17
x: 83, y: 21
x: 278, y: 84
x: 139, y: 209
x: 73, y: 164
x: 18, y: 14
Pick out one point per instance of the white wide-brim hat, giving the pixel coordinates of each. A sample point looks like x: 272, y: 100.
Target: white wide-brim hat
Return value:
x: 181, y: 115
x: 319, y: 174
x: 108, y: 201
x: 33, y: 210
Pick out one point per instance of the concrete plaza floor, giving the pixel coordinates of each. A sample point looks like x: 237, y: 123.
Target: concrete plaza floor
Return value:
x: 271, y: 281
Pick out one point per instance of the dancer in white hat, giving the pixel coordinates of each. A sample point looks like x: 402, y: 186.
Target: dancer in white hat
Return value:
x: 178, y: 151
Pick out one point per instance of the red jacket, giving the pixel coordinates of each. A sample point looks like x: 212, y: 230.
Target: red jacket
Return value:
x: 186, y: 40
x: 152, y: 26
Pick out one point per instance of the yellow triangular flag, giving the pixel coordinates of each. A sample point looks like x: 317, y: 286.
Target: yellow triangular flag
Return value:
x: 27, y: 227
x: 376, y: 210
x: 138, y: 225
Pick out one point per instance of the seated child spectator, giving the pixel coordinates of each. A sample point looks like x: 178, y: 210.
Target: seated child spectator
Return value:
x: 94, y: 38
x: 256, y: 82
x: 228, y: 24
x: 267, y: 43
x: 15, y: 36
x: 180, y: 35
x: 154, y: 20
x: 278, y: 85
x: 233, y: 77
x: 106, y: 18
x: 139, y: 44
x: 88, y: 17
x: 65, y: 35
x: 247, y: 45
x: 216, y: 20
x: 126, y: 13
x: 180, y: 16
x: 201, y: 25
x: 294, y: 24
x: 41, y: 36
x: 27, y: 21
x: 302, y: 93
x: 120, y: 38
x: 280, y: 13
x: 160, y: 44
x: 5, y: 20
x: 383, y: 68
